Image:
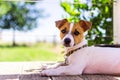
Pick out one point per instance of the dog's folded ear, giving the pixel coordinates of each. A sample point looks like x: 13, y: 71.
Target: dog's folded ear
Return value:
x: 86, y: 25
x: 60, y: 23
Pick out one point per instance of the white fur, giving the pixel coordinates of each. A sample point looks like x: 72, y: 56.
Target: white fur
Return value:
x: 71, y: 27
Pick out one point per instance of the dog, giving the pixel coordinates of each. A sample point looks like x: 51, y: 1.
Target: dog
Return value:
x: 81, y: 59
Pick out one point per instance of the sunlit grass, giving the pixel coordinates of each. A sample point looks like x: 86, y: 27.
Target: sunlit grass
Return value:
x: 39, y: 52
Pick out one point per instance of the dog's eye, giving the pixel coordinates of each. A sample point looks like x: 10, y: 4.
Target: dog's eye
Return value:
x: 63, y: 31
x: 76, y: 33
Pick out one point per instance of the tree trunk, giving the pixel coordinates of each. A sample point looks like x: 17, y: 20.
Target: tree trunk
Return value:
x: 13, y: 40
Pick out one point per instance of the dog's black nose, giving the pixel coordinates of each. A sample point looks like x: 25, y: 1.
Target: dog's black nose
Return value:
x: 67, y: 40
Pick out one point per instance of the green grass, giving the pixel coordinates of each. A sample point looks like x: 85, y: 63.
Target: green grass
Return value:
x: 39, y: 52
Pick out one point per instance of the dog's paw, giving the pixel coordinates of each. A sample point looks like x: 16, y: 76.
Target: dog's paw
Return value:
x: 46, y: 73
x: 44, y: 67
x: 50, y: 72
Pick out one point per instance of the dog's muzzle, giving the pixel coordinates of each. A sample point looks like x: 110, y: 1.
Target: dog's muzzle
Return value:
x: 67, y: 42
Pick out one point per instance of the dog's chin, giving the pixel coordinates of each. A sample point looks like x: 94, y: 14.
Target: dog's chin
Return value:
x: 68, y: 45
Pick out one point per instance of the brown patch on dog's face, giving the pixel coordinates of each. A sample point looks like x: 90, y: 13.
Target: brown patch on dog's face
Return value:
x: 79, y: 29
x: 64, y: 30
x: 77, y: 33
x: 63, y: 26
x: 86, y: 25
x: 60, y: 23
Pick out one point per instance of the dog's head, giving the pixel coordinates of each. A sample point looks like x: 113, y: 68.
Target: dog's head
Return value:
x: 72, y: 33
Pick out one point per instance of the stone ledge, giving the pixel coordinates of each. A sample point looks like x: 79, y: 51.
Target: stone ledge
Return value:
x: 30, y: 71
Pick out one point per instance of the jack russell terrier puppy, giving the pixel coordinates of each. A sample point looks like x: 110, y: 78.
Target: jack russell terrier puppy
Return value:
x: 81, y: 59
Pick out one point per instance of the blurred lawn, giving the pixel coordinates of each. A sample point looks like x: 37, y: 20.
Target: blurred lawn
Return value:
x: 38, y: 52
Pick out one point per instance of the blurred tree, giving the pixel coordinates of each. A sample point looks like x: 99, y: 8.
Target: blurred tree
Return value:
x: 20, y: 16
x: 99, y: 12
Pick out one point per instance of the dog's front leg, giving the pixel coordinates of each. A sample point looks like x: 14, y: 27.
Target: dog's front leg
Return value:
x: 63, y: 70
x: 44, y: 67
